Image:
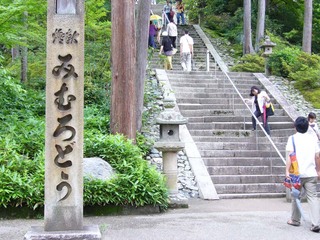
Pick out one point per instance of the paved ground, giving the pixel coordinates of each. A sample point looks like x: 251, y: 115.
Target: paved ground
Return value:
x: 203, y: 220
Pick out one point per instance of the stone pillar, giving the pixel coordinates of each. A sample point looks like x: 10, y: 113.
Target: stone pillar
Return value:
x: 64, y: 115
x: 63, y: 214
x: 170, y: 169
x: 170, y: 144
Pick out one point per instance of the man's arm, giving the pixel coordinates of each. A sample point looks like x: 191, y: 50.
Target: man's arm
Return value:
x: 317, y: 159
x: 191, y: 48
x: 288, y: 164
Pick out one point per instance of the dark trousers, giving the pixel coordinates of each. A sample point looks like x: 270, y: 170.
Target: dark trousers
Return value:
x: 173, y: 40
x: 265, y: 124
x: 151, y: 42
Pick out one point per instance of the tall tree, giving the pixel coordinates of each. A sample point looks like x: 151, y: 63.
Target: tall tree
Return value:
x: 307, y: 27
x: 247, y: 42
x: 24, y: 53
x: 142, y: 24
x: 123, y: 55
x: 260, y: 23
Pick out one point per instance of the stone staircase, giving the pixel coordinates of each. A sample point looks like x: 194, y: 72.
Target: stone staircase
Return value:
x: 242, y: 163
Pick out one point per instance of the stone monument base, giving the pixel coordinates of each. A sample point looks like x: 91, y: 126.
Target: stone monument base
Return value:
x: 88, y: 233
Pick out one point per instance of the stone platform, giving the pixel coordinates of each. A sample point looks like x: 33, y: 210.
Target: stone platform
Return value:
x: 88, y: 233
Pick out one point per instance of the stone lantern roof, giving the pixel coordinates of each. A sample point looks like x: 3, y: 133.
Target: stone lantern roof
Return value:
x: 268, y: 43
x: 170, y: 115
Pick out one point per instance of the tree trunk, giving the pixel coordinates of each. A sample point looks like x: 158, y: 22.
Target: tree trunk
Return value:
x: 123, y: 55
x: 24, y: 54
x: 260, y: 23
x: 24, y: 64
x: 14, y: 53
x: 142, y: 24
x: 307, y: 27
x: 247, y: 42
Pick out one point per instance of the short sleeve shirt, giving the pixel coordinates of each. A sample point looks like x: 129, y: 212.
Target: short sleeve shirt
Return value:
x: 185, y: 41
x: 306, y: 148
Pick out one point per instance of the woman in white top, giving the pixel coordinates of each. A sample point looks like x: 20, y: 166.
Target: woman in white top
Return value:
x: 258, y: 101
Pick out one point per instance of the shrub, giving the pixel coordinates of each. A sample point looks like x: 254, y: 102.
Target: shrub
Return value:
x: 96, y: 118
x: 145, y: 145
x: 313, y: 97
x: 307, y: 80
x: 250, y: 63
x: 281, y: 61
x: 21, y: 179
x: 305, y: 71
x: 137, y: 183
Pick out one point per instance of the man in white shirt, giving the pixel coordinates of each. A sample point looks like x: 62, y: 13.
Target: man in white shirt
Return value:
x: 186, y: 51
x: 172, y: 32
x: 308, y: 158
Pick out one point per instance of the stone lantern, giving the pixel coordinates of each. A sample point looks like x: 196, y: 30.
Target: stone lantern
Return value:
x: 267, y: 47
x: 170, y: 144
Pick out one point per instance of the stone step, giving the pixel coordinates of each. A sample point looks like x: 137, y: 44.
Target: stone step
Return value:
x: 245, y: 170
x: 244, y: 85
x: 243, y: 161
x: 233, y: 75
x: 240, y: 133
x: 246, y: 179
x: 242, y: 119
x: 239, y: 153
x: 223, y: 112
x: 250, y: 139
x: 218, y: 104
x: 203, y: 95
x: 235, y: 125
x: 213, y: 86
x: 252, y: 195
x: 250, y: 188
x: 235, y: 145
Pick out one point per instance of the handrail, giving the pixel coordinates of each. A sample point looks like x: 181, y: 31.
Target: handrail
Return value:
x: 257, y: 120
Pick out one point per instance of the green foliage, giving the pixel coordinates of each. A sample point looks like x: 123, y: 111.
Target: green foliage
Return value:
x: 307, y: 80
x: 313, y: 97
x: 21, y: 178
x: 306, y: 72
x: 97, y: 119
x: 282, y: 60
x: 144, y: 144
x: 292, y: 22
x: 97, y: 53
x: 136, y: 182
x: 250, y: 63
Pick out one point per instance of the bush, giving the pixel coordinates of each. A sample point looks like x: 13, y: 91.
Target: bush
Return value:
x: 250, y: 63
x: 306, y: 72
x: 309, y: 79
x: 281, y: 61
x: 313, y: 97
x: 137, y: 183
x: 21, y: 178
x: 96, y: 118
